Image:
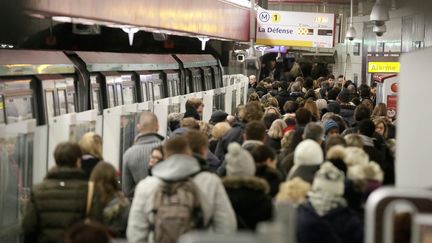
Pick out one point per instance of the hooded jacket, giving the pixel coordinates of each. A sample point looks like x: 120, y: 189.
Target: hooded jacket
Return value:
x: 217, y: 209
x: 347, y: 113
x: 135, y: 161
x: 339, y: 225
x: 250, y: 199
x: 55, y: 204
x: 273, y: 177
x: 235, y: 134
x: 282, y: 97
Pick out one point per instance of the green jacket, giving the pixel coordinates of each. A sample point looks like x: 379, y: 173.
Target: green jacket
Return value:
x: 55, y: 204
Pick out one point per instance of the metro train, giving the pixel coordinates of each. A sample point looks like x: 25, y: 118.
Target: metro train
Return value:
x: 48, y: 97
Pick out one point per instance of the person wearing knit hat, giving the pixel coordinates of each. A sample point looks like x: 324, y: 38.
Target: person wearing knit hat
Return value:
x: 325, y: 216
x: 321, y: 104
x: 218, y: 116
x: 331, y: 128
x: 308, y: 156
x: 239, y: 161
x: 249, y: 195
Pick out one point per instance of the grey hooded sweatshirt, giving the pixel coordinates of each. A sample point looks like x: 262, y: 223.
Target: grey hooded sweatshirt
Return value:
x: 216, y: 206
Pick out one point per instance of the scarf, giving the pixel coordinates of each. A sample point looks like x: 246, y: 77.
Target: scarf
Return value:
x: 324, y: 202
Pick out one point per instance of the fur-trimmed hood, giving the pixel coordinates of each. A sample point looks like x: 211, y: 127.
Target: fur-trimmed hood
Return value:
x: 249, y: 182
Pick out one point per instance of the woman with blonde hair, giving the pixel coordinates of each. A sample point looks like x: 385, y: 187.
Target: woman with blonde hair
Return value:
x: 108, y: 204
x: 276, y: 133
x: 217, y: 132
x: 91, y: 147
x: 380, y: 110
x: 313, y: 108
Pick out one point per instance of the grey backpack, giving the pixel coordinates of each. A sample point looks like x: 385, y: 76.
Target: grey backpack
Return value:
x: 177, y: 210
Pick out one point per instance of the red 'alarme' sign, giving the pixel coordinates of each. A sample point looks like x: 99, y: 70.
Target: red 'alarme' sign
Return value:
x: 391, y: 106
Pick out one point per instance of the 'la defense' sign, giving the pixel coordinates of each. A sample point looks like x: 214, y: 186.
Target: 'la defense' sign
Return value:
x: 282, y: 28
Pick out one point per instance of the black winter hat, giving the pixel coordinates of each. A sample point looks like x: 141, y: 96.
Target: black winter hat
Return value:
x: 333, y: 107
x: 344, y: 96
x: 218, y: 116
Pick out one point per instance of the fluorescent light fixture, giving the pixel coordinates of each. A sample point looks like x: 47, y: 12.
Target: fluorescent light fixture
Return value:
x: 131, y: 32
x: 203, y: 40
x: 63, y: 19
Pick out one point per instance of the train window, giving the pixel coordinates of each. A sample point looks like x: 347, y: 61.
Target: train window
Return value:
x: 242, y: 95
x: 71, y: 102
x: 150, y: 90
x: 119, y: 94
x: 111, y: 97
x: 188, y: 86
x: 144, y: 92
x: 176, y: 84
x: 97, y: 100
x: 49, y: 98
x: 199, y: 83
x: 62, y: 101
x: 2, y: 114
x: 234, y: 101
x: 169, y: 88
x: 128, y: 95
x: 156, y: 91
x: 18, y: 109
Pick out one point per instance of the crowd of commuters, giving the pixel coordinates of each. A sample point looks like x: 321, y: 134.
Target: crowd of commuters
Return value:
x: 322, y: 145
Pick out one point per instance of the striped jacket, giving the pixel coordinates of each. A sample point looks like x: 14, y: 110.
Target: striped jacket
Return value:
x: 135, y: 161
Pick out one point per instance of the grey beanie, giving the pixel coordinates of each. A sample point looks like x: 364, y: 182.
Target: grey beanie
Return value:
x: 239, y: 161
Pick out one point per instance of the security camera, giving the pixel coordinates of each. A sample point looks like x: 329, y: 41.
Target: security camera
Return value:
x: 379, y: 30
x: 379, y: 13
x: 240, y: 58
x: 351, y: 33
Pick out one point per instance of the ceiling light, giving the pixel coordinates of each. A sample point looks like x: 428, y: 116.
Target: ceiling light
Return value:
x: 203, y: 40
x: 131, y: 32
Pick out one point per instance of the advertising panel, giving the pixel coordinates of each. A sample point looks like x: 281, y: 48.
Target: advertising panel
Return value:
x: 283, y: 28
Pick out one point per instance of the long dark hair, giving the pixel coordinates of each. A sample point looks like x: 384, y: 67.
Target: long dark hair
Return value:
x: 105, y: 181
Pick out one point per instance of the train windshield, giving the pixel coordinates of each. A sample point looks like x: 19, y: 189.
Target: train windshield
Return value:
x: 18, y: 109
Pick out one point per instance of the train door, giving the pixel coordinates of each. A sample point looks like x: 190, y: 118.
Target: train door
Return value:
x: 173, y: 82
x: 189, y: 82
x: 196, y: 80
x: 16, y: 174
x: 217, y: 76
x: 96, y: 101
x: 207, y: 78
x: 16, y: 101
x: 128, y: 89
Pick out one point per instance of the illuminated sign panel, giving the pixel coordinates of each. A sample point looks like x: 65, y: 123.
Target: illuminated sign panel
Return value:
x: 282, y: 28
x: 384, y: 67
